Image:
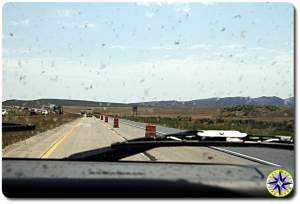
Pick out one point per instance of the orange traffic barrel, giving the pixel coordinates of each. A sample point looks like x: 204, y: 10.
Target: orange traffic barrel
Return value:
x: 101, y: 117
x: 150, y: 130
x: 106, y: 119
x: 116, y: 122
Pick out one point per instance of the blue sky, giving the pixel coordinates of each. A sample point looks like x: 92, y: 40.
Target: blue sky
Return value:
x: 128, y: 52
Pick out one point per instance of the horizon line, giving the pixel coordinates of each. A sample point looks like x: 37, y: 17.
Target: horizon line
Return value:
x: 88, y: 100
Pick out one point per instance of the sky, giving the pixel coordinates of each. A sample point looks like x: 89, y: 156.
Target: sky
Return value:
x: 134, y: 52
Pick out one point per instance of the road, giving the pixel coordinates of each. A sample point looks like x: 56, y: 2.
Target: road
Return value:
x: 89, y: 133
x: 285, y: 158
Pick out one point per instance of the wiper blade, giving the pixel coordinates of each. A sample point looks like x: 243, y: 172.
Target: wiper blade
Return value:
x: 184, y: 133
x: 204, y: 135
x: 269, y: 138
x: 223, y: 135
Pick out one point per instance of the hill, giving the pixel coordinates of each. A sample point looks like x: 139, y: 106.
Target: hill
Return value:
x: 204, y: 103
x: 224, y: 102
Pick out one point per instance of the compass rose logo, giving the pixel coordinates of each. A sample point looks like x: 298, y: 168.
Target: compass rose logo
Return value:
x: 280, y: 183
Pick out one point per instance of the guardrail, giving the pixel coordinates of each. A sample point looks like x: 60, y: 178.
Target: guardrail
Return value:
x: 10, y: 127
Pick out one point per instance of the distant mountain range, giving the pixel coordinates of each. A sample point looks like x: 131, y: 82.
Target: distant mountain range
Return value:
x: 210, y: 102
x: 224, y: 102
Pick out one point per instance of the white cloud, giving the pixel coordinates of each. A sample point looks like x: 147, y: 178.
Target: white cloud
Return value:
x: 207, y: 2
x: 206, y: 78
x: 243, y: 55
x: 18, y: 51
x: 67, y: 24
x: 241, y: 50
x: 199, y: 46
x: 167, y: 47
x: 151, y: 3
x: 24, y: 22
x: 233, y: 46
x: 173, y: 47
x: 143, y: 3
x: 272, y: 51
x: 9, y: 63
x: 87, y: 25
x: 150, y: 14
x: 122, y: 47
x: 184, y: 9
x: 67, y: 13
x: 256, y: 48
x: 285, y: 43
x: 288, y: 44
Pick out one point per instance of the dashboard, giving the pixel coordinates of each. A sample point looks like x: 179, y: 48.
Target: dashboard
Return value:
x: 60, y: 178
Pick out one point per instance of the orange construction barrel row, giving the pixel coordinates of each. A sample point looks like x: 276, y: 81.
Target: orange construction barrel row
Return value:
x: 150, y: 128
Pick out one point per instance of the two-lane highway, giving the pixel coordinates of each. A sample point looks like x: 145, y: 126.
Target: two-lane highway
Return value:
x: 80, y: 135
x: 91, y: 133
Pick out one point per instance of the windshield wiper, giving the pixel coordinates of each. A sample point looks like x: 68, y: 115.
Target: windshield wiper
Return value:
x: 202, y: 135
x: 120, y: 150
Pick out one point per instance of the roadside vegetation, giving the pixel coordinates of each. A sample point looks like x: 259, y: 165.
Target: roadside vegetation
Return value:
x: 41, y: 122
x: 258, y: 120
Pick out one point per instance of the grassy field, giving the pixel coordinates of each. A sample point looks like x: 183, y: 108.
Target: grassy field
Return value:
x: 42, y: 123
x: 262, y: 120
x: 155, y: 112
x: 250, y: 126
x: 257, y: 120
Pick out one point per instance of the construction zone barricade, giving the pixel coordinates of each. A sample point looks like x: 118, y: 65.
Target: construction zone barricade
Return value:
x: 150, y: 130
x: 116, y: 122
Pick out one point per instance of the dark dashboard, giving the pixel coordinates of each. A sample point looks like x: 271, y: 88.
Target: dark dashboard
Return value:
x: 57, y: 178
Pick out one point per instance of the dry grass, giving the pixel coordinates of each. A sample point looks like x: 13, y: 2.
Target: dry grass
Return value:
x: 153, y: 112
x: 259, y: 113
x: 268, y: 120
x: 42, y: 123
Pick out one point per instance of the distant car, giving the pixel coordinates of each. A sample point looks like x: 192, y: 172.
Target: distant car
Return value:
x: 89, y: 115
x: 33, y: 112
x: 58, y: 109
x: 45, y: 112
x: 4, y: 112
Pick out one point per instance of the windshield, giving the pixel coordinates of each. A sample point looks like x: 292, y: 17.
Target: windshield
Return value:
x: 82, y: 76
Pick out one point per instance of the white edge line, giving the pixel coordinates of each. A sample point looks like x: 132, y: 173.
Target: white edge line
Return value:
x: 244, y: 156
x: 221, y: 149
x: 135, y: 127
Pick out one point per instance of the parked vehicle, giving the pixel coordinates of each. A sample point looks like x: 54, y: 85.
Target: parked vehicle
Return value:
x: 45, y: 112
x: 4, y: 112
x: 58, y: 109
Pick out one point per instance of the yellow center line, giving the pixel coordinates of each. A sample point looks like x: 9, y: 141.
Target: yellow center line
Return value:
x: 56, y: 144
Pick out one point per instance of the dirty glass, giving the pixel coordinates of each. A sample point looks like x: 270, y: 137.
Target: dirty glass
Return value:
x: 81, y: 76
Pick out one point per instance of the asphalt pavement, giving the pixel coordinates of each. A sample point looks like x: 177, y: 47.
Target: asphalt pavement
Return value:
x: 90, y: 133
x: 277, y: 157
